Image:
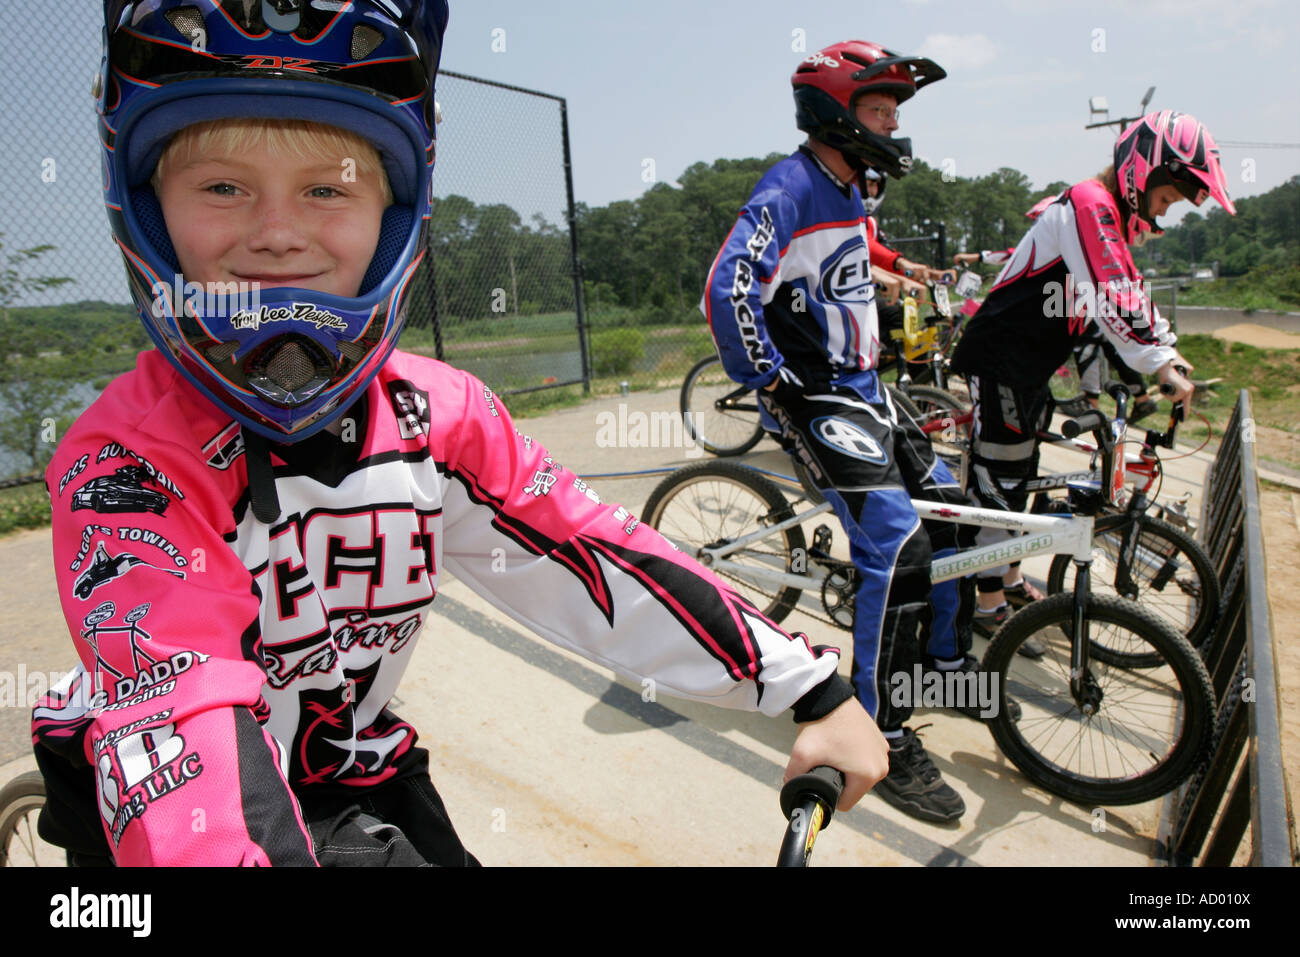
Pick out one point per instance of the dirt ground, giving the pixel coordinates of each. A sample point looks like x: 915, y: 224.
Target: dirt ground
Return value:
x: 1260, y: 336
x: 1280, y: 518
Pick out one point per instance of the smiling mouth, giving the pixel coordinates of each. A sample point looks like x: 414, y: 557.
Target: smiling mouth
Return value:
x: 278, y: 280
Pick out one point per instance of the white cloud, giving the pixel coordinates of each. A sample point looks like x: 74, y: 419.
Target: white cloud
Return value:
x: 959, y: 52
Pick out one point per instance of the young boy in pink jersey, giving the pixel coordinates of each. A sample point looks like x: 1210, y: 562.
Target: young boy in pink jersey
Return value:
x: 250, y: 527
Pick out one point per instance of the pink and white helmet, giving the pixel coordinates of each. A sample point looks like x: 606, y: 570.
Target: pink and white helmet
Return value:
x: 1167, y: 149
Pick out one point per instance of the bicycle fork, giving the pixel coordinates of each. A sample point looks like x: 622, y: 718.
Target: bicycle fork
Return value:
x: 1084, y: 689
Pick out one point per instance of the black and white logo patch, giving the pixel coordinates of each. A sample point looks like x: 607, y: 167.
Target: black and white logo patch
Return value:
x: 123, y: 491
x: 847, y: 277
x: 224, y: 447
x: 411, y: 405
x: 843, y: 436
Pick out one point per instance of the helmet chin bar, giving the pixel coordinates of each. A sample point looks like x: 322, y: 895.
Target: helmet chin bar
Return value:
x: 289, y: 370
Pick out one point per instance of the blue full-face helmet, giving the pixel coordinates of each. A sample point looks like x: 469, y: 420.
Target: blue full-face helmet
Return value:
x: 365, y: 66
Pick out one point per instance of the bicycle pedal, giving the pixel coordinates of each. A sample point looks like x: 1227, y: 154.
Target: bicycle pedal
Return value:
x: 822, y: 539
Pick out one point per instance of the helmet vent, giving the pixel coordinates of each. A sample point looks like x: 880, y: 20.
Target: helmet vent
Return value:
x: 364, y: 41
x: 221, y: 352
x: 291, y: 367
x: 188, y: 22
x: 352, y: 351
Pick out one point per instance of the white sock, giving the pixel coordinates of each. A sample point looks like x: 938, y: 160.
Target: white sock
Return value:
x: 985, y: 612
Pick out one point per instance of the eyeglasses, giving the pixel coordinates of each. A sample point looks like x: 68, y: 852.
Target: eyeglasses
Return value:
x: 887, y: 112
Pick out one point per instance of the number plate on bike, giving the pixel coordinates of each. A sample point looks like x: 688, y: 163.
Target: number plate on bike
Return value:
x: 1115, y: 481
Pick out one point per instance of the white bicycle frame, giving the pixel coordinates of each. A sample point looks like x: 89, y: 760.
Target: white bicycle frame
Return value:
x: 1052, y: 534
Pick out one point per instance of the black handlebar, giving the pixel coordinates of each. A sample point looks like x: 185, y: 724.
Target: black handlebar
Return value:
x: 808, y: 801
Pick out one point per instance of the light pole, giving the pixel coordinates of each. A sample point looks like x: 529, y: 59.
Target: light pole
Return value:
x: 1097, y: 106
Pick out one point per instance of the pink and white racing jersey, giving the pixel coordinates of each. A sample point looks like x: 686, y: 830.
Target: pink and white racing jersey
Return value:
x: 228, y: 663
x: 1069, y: 273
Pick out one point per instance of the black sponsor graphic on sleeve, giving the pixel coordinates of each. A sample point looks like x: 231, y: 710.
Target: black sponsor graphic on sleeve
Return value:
x: 123, y: 491
x: 106, y: 567
x: 112, y: 450
x: 127, y: 533
x: 137, y: 770
x: 87, y: 536
x: 222, y: 449
x: 73, y: 471
x: 411, y: 406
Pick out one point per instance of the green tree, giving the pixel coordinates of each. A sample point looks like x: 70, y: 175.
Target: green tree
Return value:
x: 35, y: 384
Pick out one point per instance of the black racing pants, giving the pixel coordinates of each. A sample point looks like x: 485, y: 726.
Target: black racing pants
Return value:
x: 1004, y: 454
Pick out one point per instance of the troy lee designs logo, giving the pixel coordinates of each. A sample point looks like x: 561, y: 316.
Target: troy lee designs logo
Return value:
x: 298, y: 312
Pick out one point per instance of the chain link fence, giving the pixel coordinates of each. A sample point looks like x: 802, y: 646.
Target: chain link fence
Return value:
x: 498, y: 294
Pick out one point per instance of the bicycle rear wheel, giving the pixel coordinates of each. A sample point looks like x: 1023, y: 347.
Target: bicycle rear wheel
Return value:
x: 712, y: 503
x: 1148, y: 729
x: 1169, y: 574
x: 940, y: 413
x: 21, y: 801
x: 718, y: 413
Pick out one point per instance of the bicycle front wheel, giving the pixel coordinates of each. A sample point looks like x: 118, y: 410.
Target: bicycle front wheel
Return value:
x: 1168, y: 574
x: 714, y: 503
x: 719, y: 414
x: 21, y: 801
x: 1130, y: 736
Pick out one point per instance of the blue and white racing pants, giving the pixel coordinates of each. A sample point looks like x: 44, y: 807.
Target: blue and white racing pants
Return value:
x: 869, y: 459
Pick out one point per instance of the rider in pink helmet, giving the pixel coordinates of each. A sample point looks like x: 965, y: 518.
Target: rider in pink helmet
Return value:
x: 1026, y: 329
x: 1166, y: 149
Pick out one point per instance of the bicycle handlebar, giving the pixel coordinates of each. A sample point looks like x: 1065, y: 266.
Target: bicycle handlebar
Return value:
x: 808, y: 801
x: 1088, y: 422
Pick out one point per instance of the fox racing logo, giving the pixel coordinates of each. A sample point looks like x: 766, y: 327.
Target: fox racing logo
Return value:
x: 1010, y: 414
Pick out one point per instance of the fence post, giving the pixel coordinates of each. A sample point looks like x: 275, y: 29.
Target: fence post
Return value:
x: 573, y: 252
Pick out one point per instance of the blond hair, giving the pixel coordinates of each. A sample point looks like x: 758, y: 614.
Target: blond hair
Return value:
x: 299, y: 138
x: 1108, y: 179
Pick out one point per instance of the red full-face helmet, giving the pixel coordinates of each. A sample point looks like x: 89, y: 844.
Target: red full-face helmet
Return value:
x: 827, y: 85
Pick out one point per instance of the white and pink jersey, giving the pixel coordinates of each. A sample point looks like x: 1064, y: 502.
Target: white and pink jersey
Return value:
x: 1069, y: 274
x: 239, y: 662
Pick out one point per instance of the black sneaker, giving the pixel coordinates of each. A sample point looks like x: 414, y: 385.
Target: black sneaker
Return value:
x: 973, y: 709
x: 1142, y: 408
x: 915, y: 786
x: 987, y: 624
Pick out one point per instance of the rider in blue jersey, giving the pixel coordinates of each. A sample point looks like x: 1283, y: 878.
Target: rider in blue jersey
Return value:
x: 791, y: 306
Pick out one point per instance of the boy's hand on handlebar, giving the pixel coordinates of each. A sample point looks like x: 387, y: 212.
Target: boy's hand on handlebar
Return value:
x: 890, y: 285
x: 965, y: 259
x: 846, y: 739
x: 1176, y: 386
x: 945, y: 277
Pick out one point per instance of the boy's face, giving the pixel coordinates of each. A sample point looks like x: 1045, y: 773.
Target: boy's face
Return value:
x: 272, y: 218
x: 877, y: 112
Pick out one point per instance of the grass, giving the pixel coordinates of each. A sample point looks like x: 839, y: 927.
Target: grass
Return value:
x: 26, y: 506
x: 1271, y: 376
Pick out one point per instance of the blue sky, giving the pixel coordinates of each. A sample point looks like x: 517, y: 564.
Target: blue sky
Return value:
x: 678, y: 82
